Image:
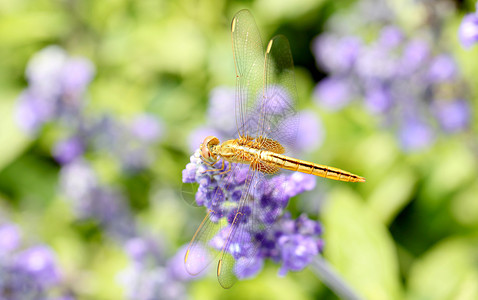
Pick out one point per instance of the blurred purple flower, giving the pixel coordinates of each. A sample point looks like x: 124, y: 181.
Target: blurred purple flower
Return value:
x: 77, y: 180
x: 277, y: 100
x: 442, y: 68
x: 468, y: 31
x: 311, y: 133
x: 45, y: 70
x: 141, y: 250
x: 31, y: 273
x: 175, y: 266
x: 415, y: 55
x: 33, y: 111
x: 9, y: 238
x: 147, y: 128
x: 149, y: 276
x: 376, y: 62
x: 77, y: 74
x: 221, y: 114
x: 378, y: 98
x: 393, y: 74
x: 91, y: 200
x: 333, y: 93
x: 67, y: 150
x: 39, y: 262
x: 336, y: 54
x: 454, y: 115
x: 390, y: 37
x: 56, y: 87
x: 415, y: 134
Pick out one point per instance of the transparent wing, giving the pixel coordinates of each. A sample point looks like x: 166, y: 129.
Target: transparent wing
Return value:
x: 266, y: 95
x: 248, y: 52
x: 278, y: 118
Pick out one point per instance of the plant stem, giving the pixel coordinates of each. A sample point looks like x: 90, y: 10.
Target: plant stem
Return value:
x: 332, y: 279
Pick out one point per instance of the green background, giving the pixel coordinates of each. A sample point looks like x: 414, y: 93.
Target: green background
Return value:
x: 409, y: 232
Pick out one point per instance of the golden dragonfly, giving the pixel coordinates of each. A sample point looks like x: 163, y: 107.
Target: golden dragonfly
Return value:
x: 266, y: 121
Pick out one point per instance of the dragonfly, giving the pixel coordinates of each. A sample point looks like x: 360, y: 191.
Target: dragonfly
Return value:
x: 267, y: 123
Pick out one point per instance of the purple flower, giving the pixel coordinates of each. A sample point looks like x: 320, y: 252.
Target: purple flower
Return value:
x: 9, y: 238
x: 442, y: 68
x: 91, y: 200
x: 45, y: 70
x: 149, y: 276
x: 259, y: 224
x: 416, y: 134
x: 57, y: 84
x: 415, y: 55
x: 468, y: 31
x: 221, y: 113
x: 77, y: 74
x: 390, y: 37
x: 299, y: 183
x: 378, y: 98
x: 33, y: 111
x: 142, y: 249
x: 297, y: 251
x: 77, y: 180
x: 376, y: 62
x: 311, y: 134
x: 147, y: 128
x: 248, y: 267
x: 393, y: 74
x: 277, y: 100
x: 39, y: 261
x: 333, y: 93
x: 453, y: 116
x: 175, y: 266
x: 336, y: 54
x: 68, y: 150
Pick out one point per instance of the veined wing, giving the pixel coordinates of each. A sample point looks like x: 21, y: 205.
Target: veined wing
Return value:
x: 278, y: 118
x: 266, y: 94
x: 248, y: 52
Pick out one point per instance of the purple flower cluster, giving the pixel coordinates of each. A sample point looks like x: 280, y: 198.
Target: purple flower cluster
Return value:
x: 263, y: 230
x: 27, y: 273
x: 149, y: 276
x: 222, y: 122
x: 468, y: 31
x: 93, y: 200
x: 57, y: 92
x: 57, y: 87
x: 404, y: 78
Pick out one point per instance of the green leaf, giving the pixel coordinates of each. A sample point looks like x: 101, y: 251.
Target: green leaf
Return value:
x: 392, y: 193
x: 359, y: 246
x: 447, y: 271
x: 12, y: 140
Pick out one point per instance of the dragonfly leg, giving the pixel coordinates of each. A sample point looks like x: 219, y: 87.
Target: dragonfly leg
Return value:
x: 215, y: 170
x: 211, y: 164
x: 225, y: 171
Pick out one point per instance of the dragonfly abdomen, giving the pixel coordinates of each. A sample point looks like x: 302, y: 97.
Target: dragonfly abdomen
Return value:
x: 294, y: 164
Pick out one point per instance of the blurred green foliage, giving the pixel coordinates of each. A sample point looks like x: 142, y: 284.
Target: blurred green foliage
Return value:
x: 410, y: 232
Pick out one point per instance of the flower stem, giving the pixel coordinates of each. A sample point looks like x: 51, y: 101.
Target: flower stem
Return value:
x: 332, y: 279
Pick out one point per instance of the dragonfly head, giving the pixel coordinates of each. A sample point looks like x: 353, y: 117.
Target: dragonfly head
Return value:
x: 207, y: 147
